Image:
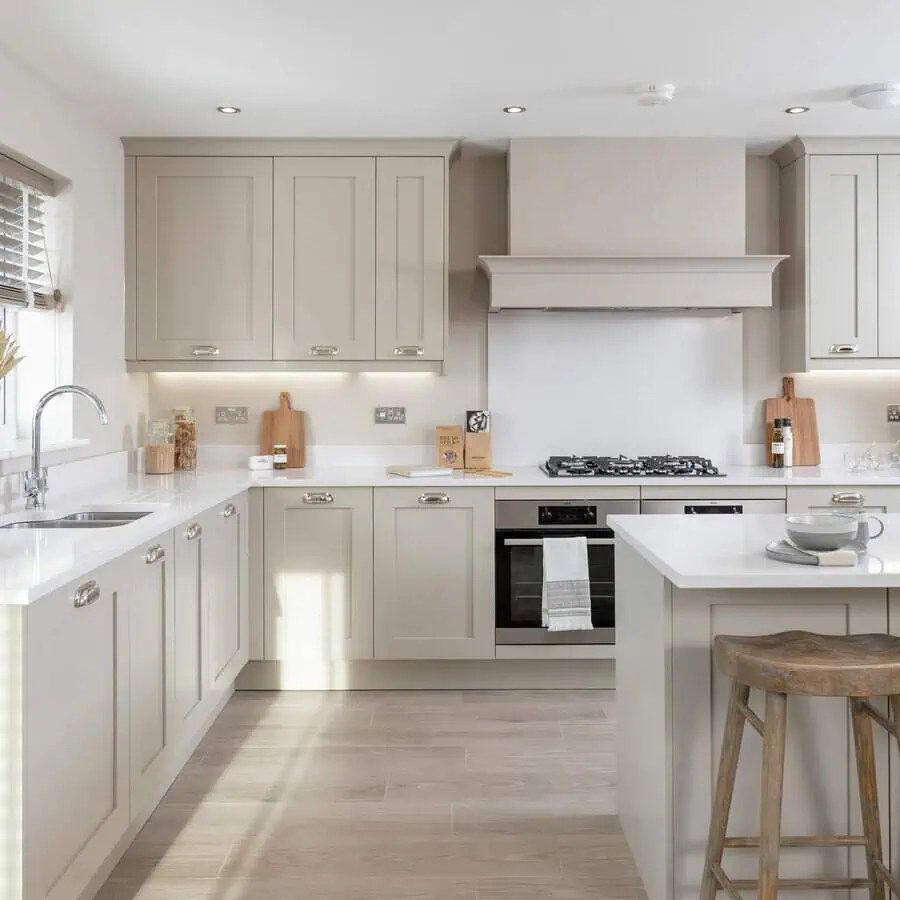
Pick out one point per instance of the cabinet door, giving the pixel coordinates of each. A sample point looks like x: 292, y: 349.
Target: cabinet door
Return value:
x: 889, y: 256
x: 843, y: 257
x: 849, y: 497
x: 434, y: 573
x: 318, y: 603
x: 224, y: 573
x: 204, y: 258
x: 76, y: 732
x: 189, y: 626
x: 325, y: 258
x: 412, y: 275
x: 151, y: 637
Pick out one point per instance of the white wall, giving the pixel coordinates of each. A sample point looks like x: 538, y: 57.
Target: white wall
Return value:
x: 44, y: 127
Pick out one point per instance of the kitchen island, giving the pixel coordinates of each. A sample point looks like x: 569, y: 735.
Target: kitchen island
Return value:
x: 681, y: 580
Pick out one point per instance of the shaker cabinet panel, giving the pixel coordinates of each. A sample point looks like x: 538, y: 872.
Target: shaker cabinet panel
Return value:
x: 318, y: 561
x: 324, y: 258
x: 411, y: 279
x: 843, y: 257
x: 434, y: 573
x: 75, y: 788
x: 203, y: 262
x: 889, y: 256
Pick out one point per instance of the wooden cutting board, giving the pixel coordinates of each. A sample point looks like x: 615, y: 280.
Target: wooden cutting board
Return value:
x: 284, y: 426
x: 802, y: 413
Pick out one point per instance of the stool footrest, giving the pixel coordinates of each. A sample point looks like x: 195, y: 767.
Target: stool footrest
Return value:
x: 751, y: 717
x: 872, y: 713
x: 891, y: 880
x: 812, y: 840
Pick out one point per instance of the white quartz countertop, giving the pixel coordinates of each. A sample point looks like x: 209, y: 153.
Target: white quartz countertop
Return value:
x: 729, y: 552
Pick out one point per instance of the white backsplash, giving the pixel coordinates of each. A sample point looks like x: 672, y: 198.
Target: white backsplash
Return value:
x: 614, y: 382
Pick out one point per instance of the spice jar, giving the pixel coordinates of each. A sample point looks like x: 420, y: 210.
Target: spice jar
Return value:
x: 279, y: 456
x: 778, y: 444
x: 185, y: 438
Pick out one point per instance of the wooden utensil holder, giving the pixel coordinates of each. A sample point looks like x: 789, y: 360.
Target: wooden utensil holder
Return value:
x: 159, y: 459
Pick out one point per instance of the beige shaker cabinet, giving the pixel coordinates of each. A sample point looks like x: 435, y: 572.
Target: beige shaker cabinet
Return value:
x: 203, y: 258
x: 411, y: 282
x: 434, y: 573
x: 151, y: 614
x: 324, y: 256
x: 847, y: 498
x: 889, y: 256
x: 318, y: 574
x: 74, y: 789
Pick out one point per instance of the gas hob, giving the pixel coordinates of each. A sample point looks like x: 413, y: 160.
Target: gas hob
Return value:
x: 626, y: 467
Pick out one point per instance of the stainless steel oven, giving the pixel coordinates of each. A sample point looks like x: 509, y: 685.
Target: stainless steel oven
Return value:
x: 521, y: 526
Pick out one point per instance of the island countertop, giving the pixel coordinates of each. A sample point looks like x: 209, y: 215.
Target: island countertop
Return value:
x: 729, y: 552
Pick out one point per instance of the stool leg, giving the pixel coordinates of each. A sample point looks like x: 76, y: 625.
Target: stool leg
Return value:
x: 771, y: 796
x: 868, y: 793
x: 728, y: 762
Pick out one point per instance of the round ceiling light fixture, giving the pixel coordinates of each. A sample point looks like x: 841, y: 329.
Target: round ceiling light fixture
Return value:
x: 877, y: 96
x: 228, y: 110
x: 655, y: 94
x: 514, y: 110
x: 797, y: 110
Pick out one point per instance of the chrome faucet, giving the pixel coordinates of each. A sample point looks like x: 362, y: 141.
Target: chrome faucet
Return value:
x: 36, y: 479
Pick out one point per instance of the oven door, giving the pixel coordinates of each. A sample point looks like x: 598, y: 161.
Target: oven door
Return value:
x: 519, y: 559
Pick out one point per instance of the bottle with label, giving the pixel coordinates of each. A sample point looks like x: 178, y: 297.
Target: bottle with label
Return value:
x: 787, y: 428
x: 279, y: 456
x: 778, y: 445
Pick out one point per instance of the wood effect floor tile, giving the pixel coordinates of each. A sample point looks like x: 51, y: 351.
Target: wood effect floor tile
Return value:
x: 168, y: 860
x: 555, y: 889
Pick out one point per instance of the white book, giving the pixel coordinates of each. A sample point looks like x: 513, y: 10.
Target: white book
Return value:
x: 419, y: 471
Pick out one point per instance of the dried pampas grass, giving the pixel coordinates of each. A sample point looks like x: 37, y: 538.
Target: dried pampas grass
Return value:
x: 8, y: 350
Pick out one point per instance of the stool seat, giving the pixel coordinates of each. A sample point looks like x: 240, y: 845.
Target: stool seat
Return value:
x: 798, y: 662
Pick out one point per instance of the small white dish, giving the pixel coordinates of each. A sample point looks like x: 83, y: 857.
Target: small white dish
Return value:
x: 821, y: 532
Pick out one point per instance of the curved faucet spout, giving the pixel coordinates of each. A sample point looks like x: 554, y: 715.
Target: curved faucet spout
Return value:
x: 36, y: 479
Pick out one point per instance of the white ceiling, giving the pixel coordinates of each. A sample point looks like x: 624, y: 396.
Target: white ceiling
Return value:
x: 423, y: 68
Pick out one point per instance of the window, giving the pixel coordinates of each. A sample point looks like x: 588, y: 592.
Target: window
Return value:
x: 8, y: 397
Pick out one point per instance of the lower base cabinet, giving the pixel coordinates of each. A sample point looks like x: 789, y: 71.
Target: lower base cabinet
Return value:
x: 73, y: 746
x: 434, y: 573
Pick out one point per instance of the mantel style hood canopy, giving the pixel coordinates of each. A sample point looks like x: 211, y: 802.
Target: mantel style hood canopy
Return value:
x: 642, y: 224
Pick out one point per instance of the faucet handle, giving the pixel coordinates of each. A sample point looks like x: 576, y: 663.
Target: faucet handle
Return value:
x: 36, y: 483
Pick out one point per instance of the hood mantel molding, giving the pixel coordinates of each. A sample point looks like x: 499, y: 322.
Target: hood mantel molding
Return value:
x: 630, y: 282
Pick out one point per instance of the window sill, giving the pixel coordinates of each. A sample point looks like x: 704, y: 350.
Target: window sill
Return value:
x: 22, y: 449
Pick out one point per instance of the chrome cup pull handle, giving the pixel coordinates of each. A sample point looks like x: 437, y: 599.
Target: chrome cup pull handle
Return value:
x: 848, y: 498
x: 205, y: 350
x: 433, y: 499
x: 194, y: 531
x: 409, y: 350
x: 318, y: 497
x: 154, y: 555
x: 229, y: 510
x: 844, y: 348
x: 87, y: 594
x: 323, y: 350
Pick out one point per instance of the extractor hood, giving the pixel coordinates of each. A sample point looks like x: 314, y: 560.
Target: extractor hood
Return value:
x: 614, y: 223
x: 630, y: 282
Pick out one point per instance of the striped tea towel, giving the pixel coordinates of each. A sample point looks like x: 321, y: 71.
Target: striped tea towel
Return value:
x: 566, y: 591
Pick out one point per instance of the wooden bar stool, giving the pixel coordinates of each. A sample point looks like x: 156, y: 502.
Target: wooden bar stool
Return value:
x: 796, y: 662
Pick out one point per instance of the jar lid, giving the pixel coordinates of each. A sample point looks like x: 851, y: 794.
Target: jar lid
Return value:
x: 183, y: 412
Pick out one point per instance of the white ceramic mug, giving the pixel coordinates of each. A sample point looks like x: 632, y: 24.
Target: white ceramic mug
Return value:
x: 863, y: 533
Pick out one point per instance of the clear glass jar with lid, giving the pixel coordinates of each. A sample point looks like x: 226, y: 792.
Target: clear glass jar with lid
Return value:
x: 185, y: 438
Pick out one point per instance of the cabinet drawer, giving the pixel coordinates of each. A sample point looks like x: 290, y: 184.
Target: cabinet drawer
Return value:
x: 882, y: 498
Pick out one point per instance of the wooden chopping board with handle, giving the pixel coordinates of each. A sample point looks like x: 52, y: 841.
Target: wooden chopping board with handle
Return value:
x: 284, y: 426
x: 802, y: 413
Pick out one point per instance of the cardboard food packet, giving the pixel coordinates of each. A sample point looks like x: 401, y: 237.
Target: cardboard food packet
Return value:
x: 449, y: 444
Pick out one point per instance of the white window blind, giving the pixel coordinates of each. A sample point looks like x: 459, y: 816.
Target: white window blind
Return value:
x: 25, y: 275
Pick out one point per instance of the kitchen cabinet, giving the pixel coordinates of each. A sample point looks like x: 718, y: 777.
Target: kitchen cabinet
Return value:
x: 889, y: 256
x: 318, y: 582
x: 324, y: 230
x: 434, y: 573
x: 151, y: 616
x: 877, y: 499
x: 74, y: 789
x: 189, y: 625
x: 224, y: 574
x: 202, y: 245
x: 411, y: 267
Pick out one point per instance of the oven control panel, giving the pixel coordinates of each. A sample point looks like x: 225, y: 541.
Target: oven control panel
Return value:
x: 571, y: 516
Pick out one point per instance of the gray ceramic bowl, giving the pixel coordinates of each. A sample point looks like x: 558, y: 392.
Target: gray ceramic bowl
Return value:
x: 821, y: 532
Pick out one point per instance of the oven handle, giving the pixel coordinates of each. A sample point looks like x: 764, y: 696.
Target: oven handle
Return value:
x: 538, y: 542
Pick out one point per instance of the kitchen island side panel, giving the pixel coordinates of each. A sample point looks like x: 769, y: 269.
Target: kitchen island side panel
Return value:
x: 644, y: 716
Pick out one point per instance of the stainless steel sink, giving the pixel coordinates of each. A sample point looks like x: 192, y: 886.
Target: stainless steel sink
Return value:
x: 88, y: 519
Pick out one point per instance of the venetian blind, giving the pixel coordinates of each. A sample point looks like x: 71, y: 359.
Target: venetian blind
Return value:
x: 25, y: 274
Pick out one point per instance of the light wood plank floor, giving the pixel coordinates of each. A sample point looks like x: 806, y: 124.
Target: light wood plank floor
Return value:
x: 455, y: 795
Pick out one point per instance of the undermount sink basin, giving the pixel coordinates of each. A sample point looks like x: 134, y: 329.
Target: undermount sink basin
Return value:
x: 88, y: 519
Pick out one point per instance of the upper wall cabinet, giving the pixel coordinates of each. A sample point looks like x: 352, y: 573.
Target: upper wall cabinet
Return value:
x: 203, y: 258
x: 840, y: 223
x: 286, y: 255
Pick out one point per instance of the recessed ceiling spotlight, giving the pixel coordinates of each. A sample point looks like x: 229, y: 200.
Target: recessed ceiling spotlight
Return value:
x: 228, y: 110
x: 796, y: 110
x: 877, y: 96
x: 513, y: 110
x: 655, y: 94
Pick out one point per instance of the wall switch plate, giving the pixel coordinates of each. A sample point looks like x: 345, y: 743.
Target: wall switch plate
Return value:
x: 231, y: 415
x: 893, y: 413
x: 390, y: 415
